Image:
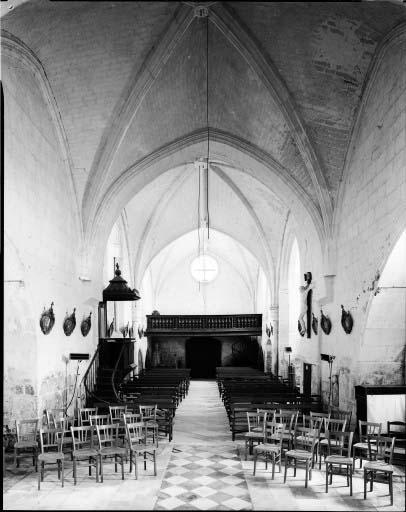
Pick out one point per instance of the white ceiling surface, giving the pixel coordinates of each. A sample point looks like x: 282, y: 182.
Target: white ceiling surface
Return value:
x: 122, y: 98
x: 238, y: 268
x: 239, y: 206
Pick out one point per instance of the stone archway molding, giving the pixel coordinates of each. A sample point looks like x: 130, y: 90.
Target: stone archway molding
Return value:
x: 133, y: 96
x: 14, y: 48
x: 226, y: 147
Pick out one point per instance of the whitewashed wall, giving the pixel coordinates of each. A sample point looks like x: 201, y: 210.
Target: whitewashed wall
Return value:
x: 42, y: 241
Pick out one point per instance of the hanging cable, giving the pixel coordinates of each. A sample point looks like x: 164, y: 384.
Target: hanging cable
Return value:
x: 198, y: 212
x: 207, y: 123
x: 198, y: 217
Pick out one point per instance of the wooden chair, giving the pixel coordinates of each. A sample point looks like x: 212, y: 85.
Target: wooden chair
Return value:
x: 51, y: 440
x: 289, y: 419
x: 85, y: 448
x: 110, y: 446
x: 325, y: 418
x: 84, y: 415
x: 366, y: 429
x: 322, y: 445
x: 116, y: 413
x: 100, y: 419
x: 50, y: 421
x: 288, y: 436
x: 339, y: 414
x: 136, y: 435
x: 65, y: 423
x: 269, y: 415
x: 310, y: 421
x: 27, y: 431
x: 271, y: 447
x: 148, y: 415
x: 339, y: 454
x: 256, y: 430
x: 380, y: 463
x: 305, y: 441
x: 55, y: 417
x: 164, y: 418
x: 131, y: 417
x: 397, y: 429
x: 313, y: 423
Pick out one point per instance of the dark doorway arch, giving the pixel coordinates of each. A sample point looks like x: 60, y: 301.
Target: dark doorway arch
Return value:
x: 203, y: 354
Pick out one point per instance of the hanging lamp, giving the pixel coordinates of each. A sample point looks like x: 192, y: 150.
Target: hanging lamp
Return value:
x: 202, y: 164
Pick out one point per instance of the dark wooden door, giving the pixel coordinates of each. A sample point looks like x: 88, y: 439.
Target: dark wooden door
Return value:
x: 307, y: 379
x: 202, y: 357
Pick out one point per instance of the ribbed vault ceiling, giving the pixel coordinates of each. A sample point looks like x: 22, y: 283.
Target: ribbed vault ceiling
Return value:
x: 129, y: 79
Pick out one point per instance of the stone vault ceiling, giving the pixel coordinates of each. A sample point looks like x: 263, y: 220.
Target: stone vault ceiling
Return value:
x: 129, y: 79
x: 239, y: 206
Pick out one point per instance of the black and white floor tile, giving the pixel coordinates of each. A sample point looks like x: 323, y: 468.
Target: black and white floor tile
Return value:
x: 204, y: 477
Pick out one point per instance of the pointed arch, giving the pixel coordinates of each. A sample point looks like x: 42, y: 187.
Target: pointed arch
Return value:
x: 239, y: 37
x: 236, y: 151
x: 127, y: 107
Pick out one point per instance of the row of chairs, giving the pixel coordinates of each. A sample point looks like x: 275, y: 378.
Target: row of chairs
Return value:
x: 27, y: 430
x: 304, y: 443
x: 289, y: 417
x: 110, y: 443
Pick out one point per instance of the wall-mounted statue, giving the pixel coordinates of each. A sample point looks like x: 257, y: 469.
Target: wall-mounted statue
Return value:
x: 346, y: 320
x: 304, y: 321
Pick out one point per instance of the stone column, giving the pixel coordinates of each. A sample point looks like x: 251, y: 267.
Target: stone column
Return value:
x: 274, y: 318
x: 136, y: 321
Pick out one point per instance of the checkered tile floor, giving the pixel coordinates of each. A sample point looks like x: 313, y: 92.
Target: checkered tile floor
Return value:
x: 204, y: 477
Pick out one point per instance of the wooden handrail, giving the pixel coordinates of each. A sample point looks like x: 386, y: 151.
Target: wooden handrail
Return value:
x: 91, y: 374
x: 90, y: 378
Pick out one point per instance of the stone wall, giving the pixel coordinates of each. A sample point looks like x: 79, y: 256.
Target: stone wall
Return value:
x: 42, y: 242
x: 370, y: 220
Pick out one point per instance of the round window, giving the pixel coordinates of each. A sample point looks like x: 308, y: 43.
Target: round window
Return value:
x: 204, y: 268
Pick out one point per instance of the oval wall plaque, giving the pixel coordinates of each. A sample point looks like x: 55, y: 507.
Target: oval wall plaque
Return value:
x: 47, y: 320
x: 86, y: 325
x: 325, y: 322
x: 69, y: 323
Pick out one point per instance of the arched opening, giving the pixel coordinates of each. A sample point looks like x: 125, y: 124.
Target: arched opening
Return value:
x: 382, y: 354
x: 203, y: 354
x: 290, y: 308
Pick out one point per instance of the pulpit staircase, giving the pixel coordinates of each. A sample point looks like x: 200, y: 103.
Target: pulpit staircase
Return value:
x: 101, y: 384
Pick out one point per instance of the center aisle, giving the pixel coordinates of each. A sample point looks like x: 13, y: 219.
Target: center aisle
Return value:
x: 205, y: 471
x: 201, y: 417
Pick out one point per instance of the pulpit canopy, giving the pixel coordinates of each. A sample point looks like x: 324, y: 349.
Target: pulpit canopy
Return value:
x: 119, y: 290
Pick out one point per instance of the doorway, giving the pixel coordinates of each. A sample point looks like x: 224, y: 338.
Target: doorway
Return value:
x: 307, y: 379
x: 202, y: 357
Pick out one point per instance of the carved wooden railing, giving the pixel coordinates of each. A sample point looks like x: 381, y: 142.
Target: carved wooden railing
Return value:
x: 176, y: 324
x: 90, y: 379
